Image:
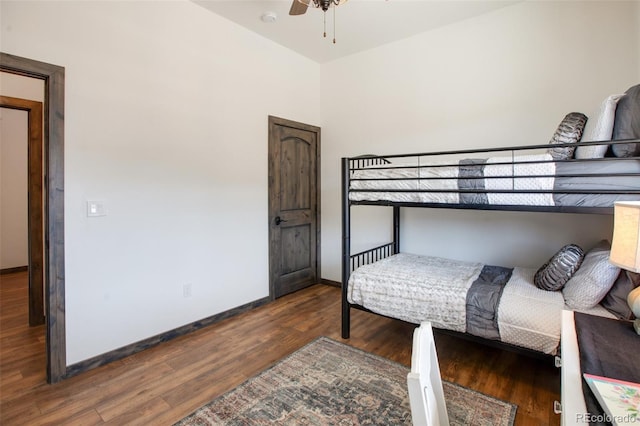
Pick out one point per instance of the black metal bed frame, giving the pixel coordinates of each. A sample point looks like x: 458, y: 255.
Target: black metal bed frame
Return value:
x: 351, y: 164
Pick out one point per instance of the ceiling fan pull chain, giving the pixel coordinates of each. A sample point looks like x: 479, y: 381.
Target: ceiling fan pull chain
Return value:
x: 334, y: 24
x: 324, y: 14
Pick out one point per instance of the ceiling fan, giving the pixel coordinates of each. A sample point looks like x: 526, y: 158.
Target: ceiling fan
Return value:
x: 299, y: 7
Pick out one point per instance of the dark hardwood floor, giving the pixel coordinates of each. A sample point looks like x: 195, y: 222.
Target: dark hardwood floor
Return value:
x: 163, y: 384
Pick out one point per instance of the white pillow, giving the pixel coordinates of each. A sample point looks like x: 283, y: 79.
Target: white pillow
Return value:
x: 599, y: 128
x: 593, y: 280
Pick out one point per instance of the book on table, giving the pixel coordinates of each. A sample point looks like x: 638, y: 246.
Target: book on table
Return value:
x: 619, y: 399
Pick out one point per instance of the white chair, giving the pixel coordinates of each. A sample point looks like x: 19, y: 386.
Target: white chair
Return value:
x: 426, y: 395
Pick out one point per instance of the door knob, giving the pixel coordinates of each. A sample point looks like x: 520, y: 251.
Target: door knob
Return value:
x: 278, y: 221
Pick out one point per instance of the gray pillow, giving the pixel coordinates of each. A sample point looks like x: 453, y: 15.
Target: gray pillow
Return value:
x: 593, y: 280
x: 627, y: 123
x: 569, y: 131
x: 616, y: 300
x: 554, y: 274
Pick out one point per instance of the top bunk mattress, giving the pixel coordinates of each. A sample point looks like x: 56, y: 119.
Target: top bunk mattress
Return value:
x: 523, y: 180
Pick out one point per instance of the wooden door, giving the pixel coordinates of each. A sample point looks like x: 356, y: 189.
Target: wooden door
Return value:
x: 294, y: 206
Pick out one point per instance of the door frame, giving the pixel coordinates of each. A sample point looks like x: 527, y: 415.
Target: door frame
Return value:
x: 35, y: 173
x: 273, y: 120
x: 53, y: 162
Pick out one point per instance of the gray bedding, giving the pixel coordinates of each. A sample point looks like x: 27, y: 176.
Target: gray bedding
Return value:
x: 530, y: 180
x: 609, y: 167
x: 452, y: 294
x: 470, y: 177
x: 483, y: 299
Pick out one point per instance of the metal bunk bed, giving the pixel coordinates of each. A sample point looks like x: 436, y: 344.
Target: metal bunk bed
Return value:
x: 371, y: 180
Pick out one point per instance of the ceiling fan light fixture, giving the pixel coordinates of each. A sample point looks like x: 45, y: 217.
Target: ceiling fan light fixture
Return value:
x: 322, y: 4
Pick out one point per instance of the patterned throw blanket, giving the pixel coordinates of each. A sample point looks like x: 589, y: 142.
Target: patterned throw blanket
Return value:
x: 453, y: 295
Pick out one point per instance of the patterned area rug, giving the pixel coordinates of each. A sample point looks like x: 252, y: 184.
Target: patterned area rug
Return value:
x: 330, y: 383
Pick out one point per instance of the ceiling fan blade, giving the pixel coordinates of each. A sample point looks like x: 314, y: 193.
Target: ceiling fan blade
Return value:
x: 298, y: 8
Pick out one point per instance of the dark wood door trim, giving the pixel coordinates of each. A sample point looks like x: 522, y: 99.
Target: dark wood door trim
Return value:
x: 54, y: 280
x: 277, y: 121
x: 35, y: 204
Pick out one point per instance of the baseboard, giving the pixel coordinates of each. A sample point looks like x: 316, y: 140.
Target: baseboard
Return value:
x: 14, y: 270
x: 330, y: 282
x: 97, y: 361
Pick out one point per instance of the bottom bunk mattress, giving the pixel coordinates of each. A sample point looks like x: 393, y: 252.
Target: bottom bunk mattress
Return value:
x: 487, y: 301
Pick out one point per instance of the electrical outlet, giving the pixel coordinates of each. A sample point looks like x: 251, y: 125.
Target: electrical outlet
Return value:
x: 186, y: 290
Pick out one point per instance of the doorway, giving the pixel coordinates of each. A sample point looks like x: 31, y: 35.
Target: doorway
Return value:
x: 53, y: 200
x: 35, y: 207
x: 294, y: 206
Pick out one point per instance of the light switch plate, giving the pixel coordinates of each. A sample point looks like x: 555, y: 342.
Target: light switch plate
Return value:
x: 96, y: 208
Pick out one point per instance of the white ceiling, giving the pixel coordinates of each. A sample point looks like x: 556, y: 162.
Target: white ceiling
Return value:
x: 360, y: 24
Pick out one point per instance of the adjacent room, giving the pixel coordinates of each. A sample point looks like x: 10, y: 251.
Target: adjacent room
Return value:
x: 181, y: 209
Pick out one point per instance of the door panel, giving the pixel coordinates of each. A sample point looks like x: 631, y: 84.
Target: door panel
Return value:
x: 295, y: 173
x: 293, y: 206
x: 295, y: 251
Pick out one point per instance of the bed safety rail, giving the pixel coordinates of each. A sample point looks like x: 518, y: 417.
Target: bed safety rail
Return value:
x: 525, y: 178
x: 372, y: 255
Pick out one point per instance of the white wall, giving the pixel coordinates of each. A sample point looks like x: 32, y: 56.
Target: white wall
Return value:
x: 14, y: 242
x: 501, y: 79
x: 166, y: 124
